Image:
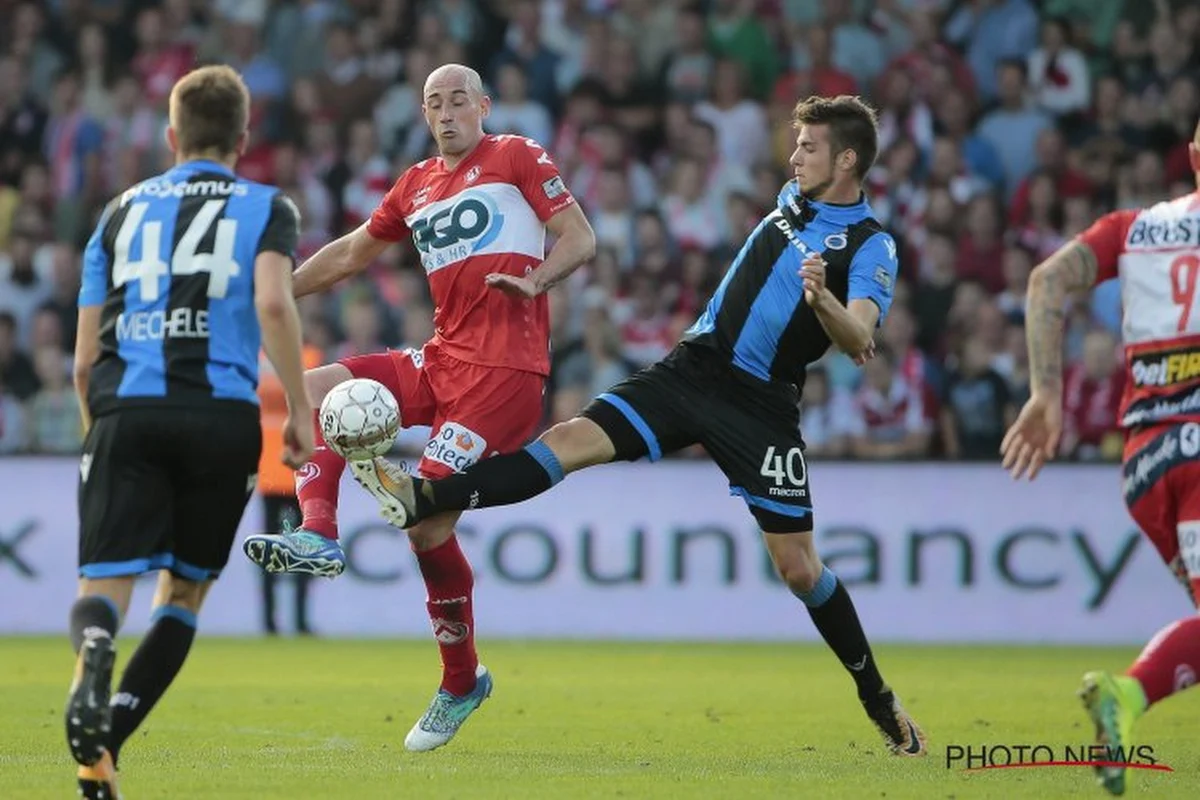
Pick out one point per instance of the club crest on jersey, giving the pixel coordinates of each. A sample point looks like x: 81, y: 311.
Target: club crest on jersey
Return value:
x: 458, y: 230
x: 836, y: 241
x: 472, y: 174
x: 421, y: 197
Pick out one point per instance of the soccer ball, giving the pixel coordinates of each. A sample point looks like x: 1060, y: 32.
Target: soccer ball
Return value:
x: 360, y: 419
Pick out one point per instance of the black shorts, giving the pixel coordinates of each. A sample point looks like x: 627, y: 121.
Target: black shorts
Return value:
x: 165, y: 488
x: 749, y: 427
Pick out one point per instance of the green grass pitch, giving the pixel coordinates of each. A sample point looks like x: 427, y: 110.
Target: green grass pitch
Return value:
x: 327, y: 718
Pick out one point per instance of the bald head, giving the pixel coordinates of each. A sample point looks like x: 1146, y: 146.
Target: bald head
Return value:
x: 449, y: 78
x: 455, y: 106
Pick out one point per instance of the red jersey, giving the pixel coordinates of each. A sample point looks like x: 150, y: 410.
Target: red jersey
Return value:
x: 486, y: 215
x: 1156, y: 253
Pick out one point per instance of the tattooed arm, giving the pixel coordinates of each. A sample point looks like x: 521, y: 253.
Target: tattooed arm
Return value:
x: 1071, y: 269
x: 1033, y: 438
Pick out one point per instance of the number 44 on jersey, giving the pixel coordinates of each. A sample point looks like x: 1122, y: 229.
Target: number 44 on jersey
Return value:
x: 219, y: 264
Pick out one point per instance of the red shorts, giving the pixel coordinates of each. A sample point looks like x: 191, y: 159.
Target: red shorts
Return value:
x: 1162, y: 491
x: 474, y: 411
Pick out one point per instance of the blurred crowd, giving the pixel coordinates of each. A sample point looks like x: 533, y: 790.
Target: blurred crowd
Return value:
x: 1007, y: 127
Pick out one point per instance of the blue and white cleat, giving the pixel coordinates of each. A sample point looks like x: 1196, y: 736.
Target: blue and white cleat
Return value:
x: 447, y: 713
x: 296, y: 551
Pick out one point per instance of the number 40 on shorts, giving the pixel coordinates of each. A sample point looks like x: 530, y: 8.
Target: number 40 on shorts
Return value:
x: 789, y: 466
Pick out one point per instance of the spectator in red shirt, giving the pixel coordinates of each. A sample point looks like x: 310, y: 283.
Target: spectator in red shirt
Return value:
x: 899, y: 335
x: 1051, y: 151
x: 921, y: 61
x: 646, y: 335
x: 1041, y: 230
x: 822, y: 77
x: 159, y: 63
x: 980, y: 248
x: 1091, y: 399
x: 887, y: 419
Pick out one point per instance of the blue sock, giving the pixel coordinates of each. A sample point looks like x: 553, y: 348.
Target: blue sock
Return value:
x: 821, y: 591
x: 542, y: 454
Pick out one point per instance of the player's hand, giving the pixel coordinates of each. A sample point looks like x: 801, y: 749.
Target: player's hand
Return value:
x: 1033, y: 438
x: 297, y: 440
x: 512, y: 285
x: 866, y: 355
x: 812, y: 272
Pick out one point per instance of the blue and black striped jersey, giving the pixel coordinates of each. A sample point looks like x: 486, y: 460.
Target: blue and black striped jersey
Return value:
x: 172, y: 265
x: 758, y: 317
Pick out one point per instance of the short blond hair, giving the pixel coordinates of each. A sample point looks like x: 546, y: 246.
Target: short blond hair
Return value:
x: 210, y: 110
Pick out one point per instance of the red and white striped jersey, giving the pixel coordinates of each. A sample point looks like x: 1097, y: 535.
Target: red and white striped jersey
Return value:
x: 1156, y: 254
x: 486, y: 215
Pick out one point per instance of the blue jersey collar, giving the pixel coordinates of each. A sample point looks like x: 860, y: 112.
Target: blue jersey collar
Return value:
x: 842, y: 213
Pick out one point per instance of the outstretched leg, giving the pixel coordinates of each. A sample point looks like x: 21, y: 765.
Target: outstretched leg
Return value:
x: 501, y: 480
x: 832, y: 611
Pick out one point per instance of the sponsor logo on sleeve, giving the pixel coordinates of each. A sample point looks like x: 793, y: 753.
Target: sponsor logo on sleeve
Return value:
x: 883, y: 277
x: 554, y: 187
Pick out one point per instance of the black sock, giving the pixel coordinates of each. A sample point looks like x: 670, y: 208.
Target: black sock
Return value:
x: 833, y: 613
x: 269, y: 581
x: 301, y: 601
x: 93, y: 611
x: 497, y: 481
x: 150, y: 671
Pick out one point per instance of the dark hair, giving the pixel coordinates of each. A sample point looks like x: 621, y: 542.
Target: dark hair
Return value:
x: 209, y: 110
x: 1062, y: 23
x: 1014, y: 63
x: 852, y: 126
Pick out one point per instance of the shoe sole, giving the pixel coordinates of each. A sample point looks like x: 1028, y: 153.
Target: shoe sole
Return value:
x: 88, y: 716
x: 488, y: 693
x: 367, y: 476
x: 275, y: 558
x: 1111, y: 779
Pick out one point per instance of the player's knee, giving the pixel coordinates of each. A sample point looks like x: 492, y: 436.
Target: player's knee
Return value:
x: 798, y: 564
x: 433, y: 532
x: 579, y: 443
x: 175, y: 592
